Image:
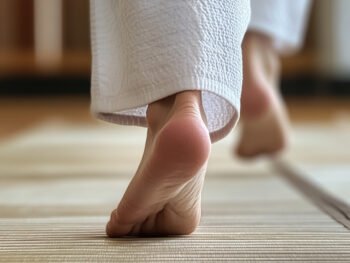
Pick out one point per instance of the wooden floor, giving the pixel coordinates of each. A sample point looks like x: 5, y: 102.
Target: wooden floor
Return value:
x: 61, y: 172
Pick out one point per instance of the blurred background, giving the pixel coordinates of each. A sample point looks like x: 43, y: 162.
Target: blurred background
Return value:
x: 45, y: 52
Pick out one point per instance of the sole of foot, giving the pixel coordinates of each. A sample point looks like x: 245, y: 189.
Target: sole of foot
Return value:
x: 164, y: 196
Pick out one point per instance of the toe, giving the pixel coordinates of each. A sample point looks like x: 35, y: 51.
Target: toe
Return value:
x: 115, y: 228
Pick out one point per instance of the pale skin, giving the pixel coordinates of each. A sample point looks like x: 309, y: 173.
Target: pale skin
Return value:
x: 164, y: 196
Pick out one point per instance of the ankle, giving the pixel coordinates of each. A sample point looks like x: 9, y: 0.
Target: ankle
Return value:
x: 158, y: 112
x: 261, y: 75
x: 259, y: 48
x: 187, y: 103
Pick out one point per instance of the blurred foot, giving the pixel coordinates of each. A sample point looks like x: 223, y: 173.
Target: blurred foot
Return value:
x: 263, y: 114
x: 164, y: 196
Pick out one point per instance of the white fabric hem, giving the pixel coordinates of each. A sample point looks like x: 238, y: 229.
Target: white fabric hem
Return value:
x: 130, y: 108
x: 283, y: 42
x: 282, y: 20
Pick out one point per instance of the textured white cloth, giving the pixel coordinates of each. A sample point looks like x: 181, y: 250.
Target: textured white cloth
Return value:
x: 145, y: 50
x: 283, y: 20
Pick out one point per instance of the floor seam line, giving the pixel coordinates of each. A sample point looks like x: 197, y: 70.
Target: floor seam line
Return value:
x: 329, y: 204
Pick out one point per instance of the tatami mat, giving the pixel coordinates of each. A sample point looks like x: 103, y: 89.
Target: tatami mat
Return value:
x: 58, y: 183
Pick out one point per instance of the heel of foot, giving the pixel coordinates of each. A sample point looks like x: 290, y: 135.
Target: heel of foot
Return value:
x: 184, y: 141
x: 256, y: 100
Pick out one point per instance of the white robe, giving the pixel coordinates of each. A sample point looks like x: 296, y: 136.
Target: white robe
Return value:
x: 283, y: 20
x: 145, y: 50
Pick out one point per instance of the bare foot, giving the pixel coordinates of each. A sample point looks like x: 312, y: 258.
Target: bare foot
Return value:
x: 264, y: 119
x: 164, y: 196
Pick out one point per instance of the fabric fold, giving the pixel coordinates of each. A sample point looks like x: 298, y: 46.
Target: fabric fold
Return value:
x: 147, y: 50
